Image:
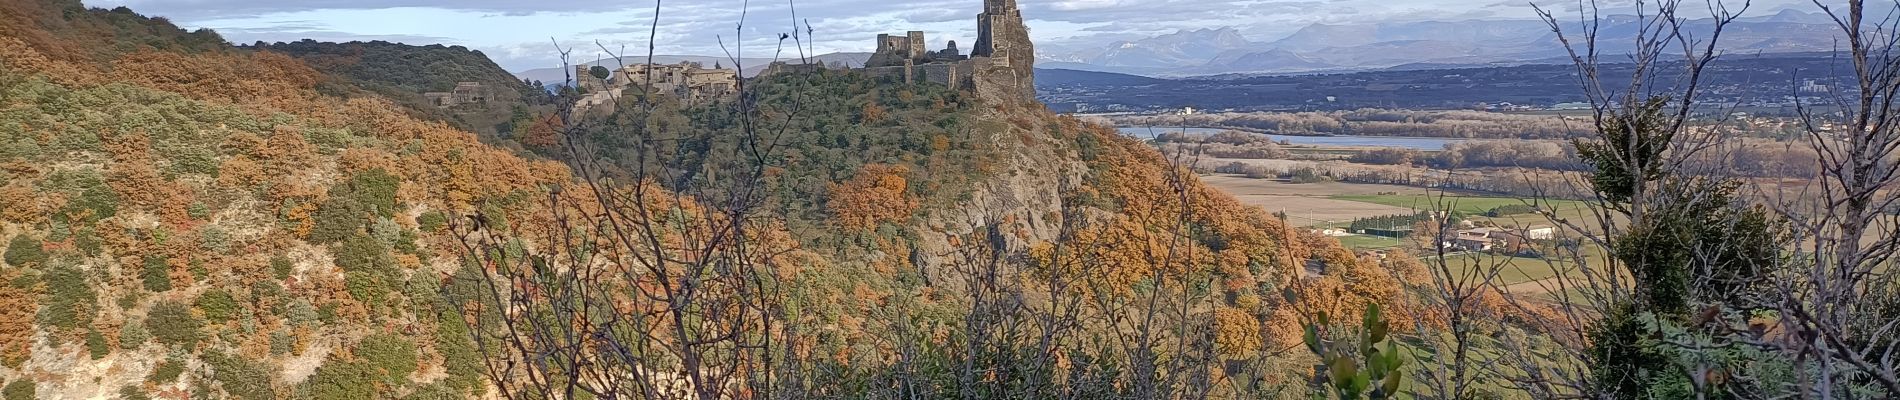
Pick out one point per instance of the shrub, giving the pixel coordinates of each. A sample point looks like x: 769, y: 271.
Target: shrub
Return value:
x: 217, y: 305
x: 92, y: 200
x: 96, y: 344
x: 19, y: 390
x: 216, y: 239
x: 240, y: 378
x: 390, y: 355
x: 156, y: 274
x: 432, y: 221
x: 459, y: 356
x: 281, y: 266
x: 281, y: 343
x: 362, y: 253
x: 1386, y: 156
x: 1305, y: 175
x: 194, y: 161
x: 70, y: 302
x: 198, y: 211
x: 25, y: 251
x: 344, y: 213
x: 167, y: 371
x: 133, y: 335
x: 132, y: 392
x: 339, y: 380
x: 88, y: 242
x: 173, y: 324
x: 300, y: 312
x: 1510, y: 209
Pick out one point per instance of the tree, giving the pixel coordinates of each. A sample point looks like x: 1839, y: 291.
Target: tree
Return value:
x: 598, y: 72
x: 876, y: 194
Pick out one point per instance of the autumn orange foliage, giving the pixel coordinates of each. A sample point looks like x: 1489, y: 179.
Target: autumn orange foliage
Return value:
x: 877, y: 193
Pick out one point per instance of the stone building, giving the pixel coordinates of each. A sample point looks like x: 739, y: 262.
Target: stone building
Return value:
x: 687, y: 81
x: 1001, y: 66
x: 463, y: 93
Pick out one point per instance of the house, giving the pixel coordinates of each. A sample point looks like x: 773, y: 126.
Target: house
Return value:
x: 1540, y: 232
x: 1471, y: 241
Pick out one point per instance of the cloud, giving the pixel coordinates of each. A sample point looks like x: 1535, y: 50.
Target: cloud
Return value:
x: 516, y: 32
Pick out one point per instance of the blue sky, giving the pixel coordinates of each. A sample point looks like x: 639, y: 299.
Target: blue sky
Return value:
x: 521, y: 34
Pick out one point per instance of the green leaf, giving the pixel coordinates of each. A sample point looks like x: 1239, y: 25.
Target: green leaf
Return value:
x: 1311, y: 337
x: 1359, y: 384
x: 1391, y: 384
x: 1342, y: 371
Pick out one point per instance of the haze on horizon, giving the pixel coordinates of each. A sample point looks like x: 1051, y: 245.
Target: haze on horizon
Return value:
x: 516, y: 34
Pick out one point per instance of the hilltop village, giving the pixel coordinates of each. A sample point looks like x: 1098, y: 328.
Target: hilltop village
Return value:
x: 1000, y: 67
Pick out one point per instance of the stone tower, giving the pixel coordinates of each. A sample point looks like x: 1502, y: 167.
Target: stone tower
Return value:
x: 1004, y: 39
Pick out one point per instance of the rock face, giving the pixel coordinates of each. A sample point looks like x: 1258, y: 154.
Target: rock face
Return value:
x: 1003, y: 39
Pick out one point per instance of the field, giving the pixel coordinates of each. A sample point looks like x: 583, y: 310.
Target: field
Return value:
x: 1312, y: 204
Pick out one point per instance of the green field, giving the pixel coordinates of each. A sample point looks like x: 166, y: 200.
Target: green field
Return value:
x: 1368, y: 242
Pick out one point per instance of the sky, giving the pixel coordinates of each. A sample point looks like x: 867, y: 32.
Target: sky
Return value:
x: 524, y: 34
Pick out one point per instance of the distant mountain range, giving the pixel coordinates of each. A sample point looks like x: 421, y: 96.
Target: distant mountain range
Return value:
x: 1411, y: 45
x: 1314, y: 48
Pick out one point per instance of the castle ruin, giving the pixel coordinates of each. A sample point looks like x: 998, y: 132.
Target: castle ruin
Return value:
x: 687, y: 81
x: 463, y: 93
x: 1000, y: 66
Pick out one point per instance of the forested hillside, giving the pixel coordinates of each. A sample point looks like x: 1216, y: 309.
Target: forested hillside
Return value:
x: 402, y: 73
x: 183, y: 218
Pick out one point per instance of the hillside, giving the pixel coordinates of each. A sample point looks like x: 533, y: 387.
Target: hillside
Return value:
x: 189, y: 219
x: 403, y: 73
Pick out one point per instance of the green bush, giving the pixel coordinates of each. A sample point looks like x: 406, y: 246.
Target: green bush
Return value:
x: 173, y: 324
x: 167, y: 371
x: 198, y: 211
x: 194, y: 161
x: 19, y: 390
x: 365, y: 287
x: 217, y: 305
x: 133, y: 335
x: 1510, y: 209
x: 432, y: 221
x: 25, y: 251
x: 241, y: 378
x: 281, y: 266
x: 198, y: 269
x: 282, y: 343
x: 96, y: 344
x: 346, y: 211
x: 216, y: 239
x: 301, y: 312
x: 390, y: 355
x: 133, y: 392
x: 91, y: 199
x: 459, y: 356
x: 340, y: 380
x: 70, y: 302
x: 156, y: 274
x: 88, y: 242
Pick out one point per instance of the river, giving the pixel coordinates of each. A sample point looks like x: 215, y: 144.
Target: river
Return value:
x: 1417, y: 143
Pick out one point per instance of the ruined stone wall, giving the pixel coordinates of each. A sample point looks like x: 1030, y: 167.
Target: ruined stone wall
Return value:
x: 955, y: 75
x: 1003, y: 42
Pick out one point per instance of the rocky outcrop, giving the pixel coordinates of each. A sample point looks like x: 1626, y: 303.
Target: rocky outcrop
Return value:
x: 1003, y: 40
